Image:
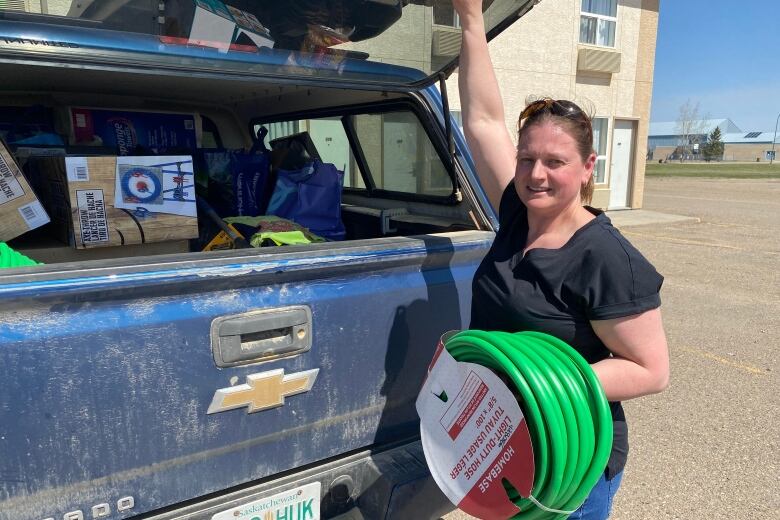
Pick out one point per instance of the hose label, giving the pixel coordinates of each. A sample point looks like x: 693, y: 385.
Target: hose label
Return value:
x: 457, y: 417
x: 474, y: 437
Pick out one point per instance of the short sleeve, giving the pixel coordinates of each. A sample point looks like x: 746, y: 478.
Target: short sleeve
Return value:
x: 509, y: 205
x: 622, y: 282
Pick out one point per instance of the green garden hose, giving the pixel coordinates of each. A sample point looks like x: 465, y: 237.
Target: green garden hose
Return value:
x: 11, y: 258
x: 565, y: 408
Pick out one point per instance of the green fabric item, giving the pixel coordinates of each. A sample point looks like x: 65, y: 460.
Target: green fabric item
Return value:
x: 279, y: 230
x: 282, y: 238
x: 10, y: 258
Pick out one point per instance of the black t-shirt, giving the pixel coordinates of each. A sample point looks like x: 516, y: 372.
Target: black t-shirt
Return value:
x: 596, y: 275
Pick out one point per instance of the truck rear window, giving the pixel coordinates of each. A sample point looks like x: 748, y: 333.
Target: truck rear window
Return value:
x: 396, y: 154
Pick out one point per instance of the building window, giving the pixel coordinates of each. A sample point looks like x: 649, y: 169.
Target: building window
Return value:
x: 444, y: 14
x: 600, y: 127
x: 598, y: 20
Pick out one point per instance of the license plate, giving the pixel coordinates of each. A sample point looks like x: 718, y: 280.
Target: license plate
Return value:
x: 301, y: 503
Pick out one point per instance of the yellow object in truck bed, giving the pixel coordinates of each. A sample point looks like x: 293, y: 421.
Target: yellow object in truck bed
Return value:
x: 222, y: 241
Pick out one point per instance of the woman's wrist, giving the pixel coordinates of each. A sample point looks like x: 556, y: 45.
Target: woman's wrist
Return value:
x: 473, y: 21
x: 473, y: 30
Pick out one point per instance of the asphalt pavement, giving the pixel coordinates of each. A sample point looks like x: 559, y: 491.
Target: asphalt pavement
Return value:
x: 709, y: 447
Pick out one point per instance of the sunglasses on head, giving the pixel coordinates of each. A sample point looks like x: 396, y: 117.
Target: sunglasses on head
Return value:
x: 557, y: 107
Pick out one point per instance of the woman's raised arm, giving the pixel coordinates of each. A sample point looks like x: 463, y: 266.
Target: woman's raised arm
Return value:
x: 481, y: 105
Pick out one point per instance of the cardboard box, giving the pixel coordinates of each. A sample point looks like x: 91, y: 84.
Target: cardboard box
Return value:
x: 249, y: 26
x: 215, y: 24
x: 20, y: 209
x: 81, y: 195
x: 212, y: 24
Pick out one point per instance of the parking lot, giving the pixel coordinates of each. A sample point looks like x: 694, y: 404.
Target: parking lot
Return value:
x: 709, y: 447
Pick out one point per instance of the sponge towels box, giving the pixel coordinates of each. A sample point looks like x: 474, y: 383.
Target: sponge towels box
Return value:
x: 20, y: 209
x: 82, y: 195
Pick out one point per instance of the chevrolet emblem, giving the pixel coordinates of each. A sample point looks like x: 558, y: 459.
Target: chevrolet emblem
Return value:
x: 263, y: 391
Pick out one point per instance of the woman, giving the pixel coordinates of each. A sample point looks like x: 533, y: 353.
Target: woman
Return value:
x: 557, y: 266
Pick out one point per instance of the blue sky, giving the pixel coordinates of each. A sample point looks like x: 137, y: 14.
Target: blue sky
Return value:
x: 722, y: 53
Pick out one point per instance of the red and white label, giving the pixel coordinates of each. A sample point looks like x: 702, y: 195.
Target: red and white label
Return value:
x: 475, y: 439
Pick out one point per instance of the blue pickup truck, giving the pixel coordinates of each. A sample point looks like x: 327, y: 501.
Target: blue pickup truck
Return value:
x: 248, y: 383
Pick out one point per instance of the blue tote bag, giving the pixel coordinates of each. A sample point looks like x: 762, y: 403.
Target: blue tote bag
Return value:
x: 311, y: 197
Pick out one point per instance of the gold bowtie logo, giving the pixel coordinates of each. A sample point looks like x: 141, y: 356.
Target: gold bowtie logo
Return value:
x: 263, y: 391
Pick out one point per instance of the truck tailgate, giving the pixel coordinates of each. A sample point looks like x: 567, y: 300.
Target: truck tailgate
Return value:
x: 108, y: 369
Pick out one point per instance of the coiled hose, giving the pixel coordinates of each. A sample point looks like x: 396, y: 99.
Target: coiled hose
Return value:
x: 11, y: 258
x: 565, y: 408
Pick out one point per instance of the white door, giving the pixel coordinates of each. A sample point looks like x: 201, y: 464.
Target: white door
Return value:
x: 399, y: 152
x: 621, y: 166
x: 331, y: 142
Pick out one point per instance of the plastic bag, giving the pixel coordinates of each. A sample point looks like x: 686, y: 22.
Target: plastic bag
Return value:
x: 236, y: 182
x: 311, y: 197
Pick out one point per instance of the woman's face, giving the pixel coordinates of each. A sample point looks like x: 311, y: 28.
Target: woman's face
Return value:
x: 550, y: 170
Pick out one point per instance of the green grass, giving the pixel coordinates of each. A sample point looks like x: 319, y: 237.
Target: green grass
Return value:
x: 718, y: 170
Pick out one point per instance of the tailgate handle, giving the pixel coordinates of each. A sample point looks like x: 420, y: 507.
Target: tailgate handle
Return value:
x: 258, y: 336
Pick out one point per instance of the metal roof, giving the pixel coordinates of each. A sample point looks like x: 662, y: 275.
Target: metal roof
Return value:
x: 742, y: 138
x: 669, y: 128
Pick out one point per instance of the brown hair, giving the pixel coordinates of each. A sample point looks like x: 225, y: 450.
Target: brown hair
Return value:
x: 572, y: 119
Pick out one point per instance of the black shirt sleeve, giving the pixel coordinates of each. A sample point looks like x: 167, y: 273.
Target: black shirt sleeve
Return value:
x: 509, y: 206
x: 622, y: 282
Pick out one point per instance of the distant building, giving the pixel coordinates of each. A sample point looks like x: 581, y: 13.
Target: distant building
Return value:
x: 749, y: 146
x: 665, y: 143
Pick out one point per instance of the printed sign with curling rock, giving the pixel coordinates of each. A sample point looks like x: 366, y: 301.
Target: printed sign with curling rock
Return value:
x: 158, y: 184
x: 474, y: 437
x: 141, y: 185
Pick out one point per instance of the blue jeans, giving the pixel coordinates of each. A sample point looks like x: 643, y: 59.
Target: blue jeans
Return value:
x: 599, y: 503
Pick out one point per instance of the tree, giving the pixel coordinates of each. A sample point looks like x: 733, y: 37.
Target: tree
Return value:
x: 713, y: 150
x: 690, y: 126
